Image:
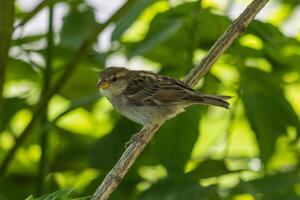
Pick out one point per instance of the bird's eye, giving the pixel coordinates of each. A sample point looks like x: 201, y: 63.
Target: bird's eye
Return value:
x: 114, y: 79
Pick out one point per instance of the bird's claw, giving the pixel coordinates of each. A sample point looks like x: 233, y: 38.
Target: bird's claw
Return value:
x: 138, y: 137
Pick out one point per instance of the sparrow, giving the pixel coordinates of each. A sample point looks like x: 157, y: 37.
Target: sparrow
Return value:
x: 149, y: 98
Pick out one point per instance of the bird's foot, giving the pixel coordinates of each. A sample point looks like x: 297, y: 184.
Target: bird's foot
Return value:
x: 138, y: 137
x: 142, y: 135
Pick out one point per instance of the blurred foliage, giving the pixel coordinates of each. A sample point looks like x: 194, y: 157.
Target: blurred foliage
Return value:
x: 250, y: 152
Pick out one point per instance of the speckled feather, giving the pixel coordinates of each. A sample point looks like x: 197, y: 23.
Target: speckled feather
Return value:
x: 147, y: 88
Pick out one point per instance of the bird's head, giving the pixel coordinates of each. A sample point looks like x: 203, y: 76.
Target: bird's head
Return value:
x: 113, y: 80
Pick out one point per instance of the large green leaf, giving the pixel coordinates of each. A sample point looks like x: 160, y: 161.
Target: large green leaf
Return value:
x: 277, y: 186
x: 167, y: 29
x: 268, y: 111
x: 20, y: 70
x: 175, y: 141
x: 281, y: 51
x: 72, y: 151
x: 78, y: 25
x: 83, y: 79
x: 166, y: 189
x: 209, y: 169
x: 24, y: 183
x: 109, y: 149
x: 177, y: 31
x: 58, y: 195
x: 244, y: 52
x: 62, y: 55
x: 10, y: 107
x: 130, y: 16
x: 82, y: 82
x: 292, y: 2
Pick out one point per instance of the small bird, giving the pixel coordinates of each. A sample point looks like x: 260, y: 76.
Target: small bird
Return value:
x: 149, y: 98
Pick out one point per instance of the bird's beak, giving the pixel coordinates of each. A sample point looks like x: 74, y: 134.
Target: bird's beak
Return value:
x: 102, y: 84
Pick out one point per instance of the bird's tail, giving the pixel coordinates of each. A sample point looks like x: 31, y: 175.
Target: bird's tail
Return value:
x: 215, y: 100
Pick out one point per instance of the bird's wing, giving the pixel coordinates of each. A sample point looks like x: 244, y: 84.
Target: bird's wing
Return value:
x: 151, y: 89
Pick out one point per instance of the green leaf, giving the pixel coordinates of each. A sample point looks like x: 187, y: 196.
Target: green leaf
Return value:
x: 72, y: 151
x: 82, y: 82
x: 58, y: 195
x: 27, y: 39
x: 78, y: 25
x: 84, y: 78
x: 242, y: 51
x: 168, y: 28
x: 268, y: 111
x: 20, y: 70
x: 174, y: 33
x: 109, y: 148
x: 83, y: 198
x: 277, y: 47
x: 166, y: 189
x: 93, y: 59
x: 266, y: 188
x: 292, y: 2
x: 24, y: 183
x: 128, y: 18
x: 175, y: 140
x: 30, y: 198
x: 10, y: 107
x: 208, y: 169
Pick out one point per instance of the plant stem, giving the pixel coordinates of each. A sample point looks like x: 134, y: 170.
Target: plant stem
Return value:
x: 7, y: 10
x: 44, y: 120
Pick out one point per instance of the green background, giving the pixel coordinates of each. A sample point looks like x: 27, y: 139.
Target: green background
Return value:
x: 248, y: 152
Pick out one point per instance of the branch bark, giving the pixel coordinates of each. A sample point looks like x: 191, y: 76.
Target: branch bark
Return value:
x: 115, y: 176
x: 7, y: 8
x: 69, y: 68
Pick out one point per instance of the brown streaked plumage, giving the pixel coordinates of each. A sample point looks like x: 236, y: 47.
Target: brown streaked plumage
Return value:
x: 149, y: 98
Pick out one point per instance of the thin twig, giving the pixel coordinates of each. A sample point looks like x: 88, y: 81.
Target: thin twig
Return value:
x: 114, y: 177
x: 6, y: 23
x: 68, y: 69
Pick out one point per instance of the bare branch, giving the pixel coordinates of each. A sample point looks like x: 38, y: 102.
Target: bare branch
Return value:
x: 114, y: 177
